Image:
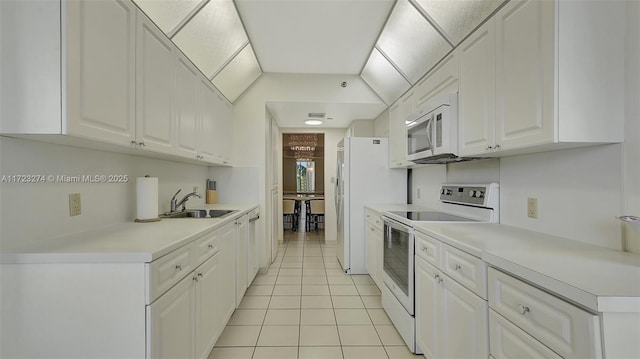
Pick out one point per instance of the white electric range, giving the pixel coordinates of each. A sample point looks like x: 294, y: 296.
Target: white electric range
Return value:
x: 459, y: 203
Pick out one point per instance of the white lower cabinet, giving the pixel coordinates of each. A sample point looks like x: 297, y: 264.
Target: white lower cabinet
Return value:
x: 170, y: 322
x: 511, y: 342
x: 253, y: 262
x: 374, y: 239
x: 242, y: 243
x: 564, y: 328
x: 186, y: 321
x: 210, y: 319
x: 451, y: 321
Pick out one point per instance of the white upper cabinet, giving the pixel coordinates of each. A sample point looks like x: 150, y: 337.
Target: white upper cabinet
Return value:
x: 154, y: 83
x: 524, y: 75
x: 215, y: 131
x: 102, y: 73
x: 99, y: 38
x: 476, y: 106
x: 187, y: 107
x: 553, y: 88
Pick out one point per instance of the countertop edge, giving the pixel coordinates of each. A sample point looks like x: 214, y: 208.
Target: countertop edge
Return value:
x: 47, y: 254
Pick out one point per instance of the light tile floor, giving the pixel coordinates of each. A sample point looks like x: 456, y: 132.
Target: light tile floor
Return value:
x: 305, y: 307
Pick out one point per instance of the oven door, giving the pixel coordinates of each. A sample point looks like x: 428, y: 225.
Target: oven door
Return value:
x: 398, y: 262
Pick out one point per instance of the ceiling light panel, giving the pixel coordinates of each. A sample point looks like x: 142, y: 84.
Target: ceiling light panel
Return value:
x: 411, y: 42
x: 458, y: 18
x: 238, y: 75
x: 212, y: 36
x: 383, y: 78
x: 167, y: 14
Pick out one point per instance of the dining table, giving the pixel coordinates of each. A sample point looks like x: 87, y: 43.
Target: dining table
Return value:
x: 302, y: 197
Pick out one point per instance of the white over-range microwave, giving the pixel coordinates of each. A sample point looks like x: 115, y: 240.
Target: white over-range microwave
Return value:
x: 432, y: 131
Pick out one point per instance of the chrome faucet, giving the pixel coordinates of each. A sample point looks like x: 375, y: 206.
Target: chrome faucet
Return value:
x: 175, y: 203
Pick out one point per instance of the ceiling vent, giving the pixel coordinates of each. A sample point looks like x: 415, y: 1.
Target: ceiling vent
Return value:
x: 316, y: 115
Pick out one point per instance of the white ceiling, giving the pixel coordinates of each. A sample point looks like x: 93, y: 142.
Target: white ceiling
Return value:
x: 391, y: 44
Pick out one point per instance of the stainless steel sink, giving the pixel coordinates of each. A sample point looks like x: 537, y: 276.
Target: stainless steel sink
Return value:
x: 199, y: 213
x: 215, y: 213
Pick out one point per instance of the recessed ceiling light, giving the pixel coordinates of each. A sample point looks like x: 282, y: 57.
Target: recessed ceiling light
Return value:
x: 313, y: 122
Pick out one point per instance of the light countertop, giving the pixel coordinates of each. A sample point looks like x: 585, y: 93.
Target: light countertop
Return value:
x: 597, y: 278
x: 128, y: 242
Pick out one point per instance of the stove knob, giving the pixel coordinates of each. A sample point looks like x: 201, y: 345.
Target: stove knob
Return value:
x: 479, y: 194
x: 449, y: 192
x: 442, y: 191
x: 472, y: 193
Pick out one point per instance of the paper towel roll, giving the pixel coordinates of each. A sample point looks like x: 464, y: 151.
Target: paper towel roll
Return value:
x: 146, y: 199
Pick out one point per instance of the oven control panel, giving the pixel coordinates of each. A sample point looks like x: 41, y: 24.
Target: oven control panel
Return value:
x: 474, y: 195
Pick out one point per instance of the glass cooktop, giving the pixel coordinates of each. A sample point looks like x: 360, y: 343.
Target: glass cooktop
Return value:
x: 431, y: 216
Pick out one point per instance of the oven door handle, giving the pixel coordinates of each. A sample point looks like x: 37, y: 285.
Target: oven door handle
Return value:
x: 391, y: 223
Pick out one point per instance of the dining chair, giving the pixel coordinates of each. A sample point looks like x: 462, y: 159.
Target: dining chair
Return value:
x: 289, y: 214
x: 315, y: 216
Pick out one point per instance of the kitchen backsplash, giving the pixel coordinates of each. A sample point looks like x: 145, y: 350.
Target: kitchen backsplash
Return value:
x: 38, y: 211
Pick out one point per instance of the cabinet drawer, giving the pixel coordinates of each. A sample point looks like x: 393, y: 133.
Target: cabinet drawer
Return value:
x: 508, y: 341
x: 427, y: 248
x: 206, y: 246
x: 561, y: 326
x: 166, y: 271
x: 470, y: 271
x: 374, y: 218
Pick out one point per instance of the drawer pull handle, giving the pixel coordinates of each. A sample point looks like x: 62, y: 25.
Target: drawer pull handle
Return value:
x: 457, y: 267
x: 210, y: 246
x: 179, y: 267
x: 523, y: 309
x: 437, y: 278
x: 200, y: 275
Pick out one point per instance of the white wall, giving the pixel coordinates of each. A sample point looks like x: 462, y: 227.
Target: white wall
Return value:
x: 37, y: 212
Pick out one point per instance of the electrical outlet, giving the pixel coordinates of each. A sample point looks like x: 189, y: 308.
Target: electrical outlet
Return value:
x: 532, y: 207
x: 75, y: 208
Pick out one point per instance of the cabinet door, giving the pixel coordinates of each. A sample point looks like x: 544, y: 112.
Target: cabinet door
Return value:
x: 464, y: 325
x: 225, y: 132
x: 154, y: 84
x: 209, y: 322
x: 371, y: 252
x: 242, y: 234
x: 476, y: 108
x: 209, y: 133
x: 397, y: 140
x: 186, y: 107
x: 441, y: 79
x: 100, y: 70
x: 524, y: 74
x: 428, y: 293
x: 378, y: 237
x: 253, y: 264
x: 227, y: 298
x: 508, y: 341
x: 170, y: 322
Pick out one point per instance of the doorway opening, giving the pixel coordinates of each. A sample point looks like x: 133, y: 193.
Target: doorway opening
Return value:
x: 303, y: 180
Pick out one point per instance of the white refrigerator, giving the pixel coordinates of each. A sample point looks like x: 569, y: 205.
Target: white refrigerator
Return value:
x: 363, y: 177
